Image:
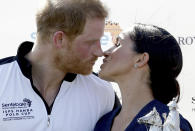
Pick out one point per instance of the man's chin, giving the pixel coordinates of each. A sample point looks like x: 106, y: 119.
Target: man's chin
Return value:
x: 86, y: 71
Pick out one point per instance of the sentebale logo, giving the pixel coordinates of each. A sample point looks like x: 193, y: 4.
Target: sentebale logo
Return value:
x: 17, y: 110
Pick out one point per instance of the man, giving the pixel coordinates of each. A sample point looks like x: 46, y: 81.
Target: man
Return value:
x: 48, y: 86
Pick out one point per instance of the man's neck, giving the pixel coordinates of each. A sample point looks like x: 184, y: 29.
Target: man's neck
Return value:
x: 46, y: 78
x: 47, y: 81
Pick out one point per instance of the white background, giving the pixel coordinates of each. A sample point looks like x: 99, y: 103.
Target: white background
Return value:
x: 17, y: 23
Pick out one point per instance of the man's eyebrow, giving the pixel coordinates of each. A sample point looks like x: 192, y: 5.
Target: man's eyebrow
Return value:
x: 92, y: 40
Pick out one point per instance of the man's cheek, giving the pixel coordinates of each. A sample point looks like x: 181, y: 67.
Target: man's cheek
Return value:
x: 83, y: 52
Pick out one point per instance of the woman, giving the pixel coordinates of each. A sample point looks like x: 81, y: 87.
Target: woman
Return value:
x: 145, y: 63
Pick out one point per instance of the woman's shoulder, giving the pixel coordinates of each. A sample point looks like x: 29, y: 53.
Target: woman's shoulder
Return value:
x: 157, y: 113
x: 154, y: 113
x: 105, y: 123
x: 185, y: 124
x: 169, y: 111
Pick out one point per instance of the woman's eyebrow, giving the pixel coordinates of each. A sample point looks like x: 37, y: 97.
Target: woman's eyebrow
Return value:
x: 118, y: 38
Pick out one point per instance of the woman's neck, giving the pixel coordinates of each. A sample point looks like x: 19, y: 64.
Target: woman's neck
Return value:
x: 135, y: 94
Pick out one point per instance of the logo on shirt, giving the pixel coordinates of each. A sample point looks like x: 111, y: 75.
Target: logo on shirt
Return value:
x: 17, y: 110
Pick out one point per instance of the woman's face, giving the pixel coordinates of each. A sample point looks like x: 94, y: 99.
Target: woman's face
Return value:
x: 119, y: 59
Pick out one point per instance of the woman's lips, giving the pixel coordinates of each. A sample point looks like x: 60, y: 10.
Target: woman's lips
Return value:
x: 101, y: 67
x: 104, y: 62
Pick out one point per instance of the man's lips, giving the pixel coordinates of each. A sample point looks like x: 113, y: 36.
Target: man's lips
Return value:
x: 92, y: 62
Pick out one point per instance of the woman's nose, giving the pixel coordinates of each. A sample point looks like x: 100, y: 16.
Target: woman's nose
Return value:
x: 109, y: 51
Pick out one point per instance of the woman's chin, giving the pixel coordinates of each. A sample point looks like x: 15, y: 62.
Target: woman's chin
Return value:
x: 103, y: 75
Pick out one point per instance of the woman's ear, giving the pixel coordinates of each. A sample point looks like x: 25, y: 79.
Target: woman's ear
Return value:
x: 142, y: 60
x: 58, y: 39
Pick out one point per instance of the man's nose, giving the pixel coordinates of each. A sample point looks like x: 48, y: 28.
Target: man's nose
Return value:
x: 98, y: 50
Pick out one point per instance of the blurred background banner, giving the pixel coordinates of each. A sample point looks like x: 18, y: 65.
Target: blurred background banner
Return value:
x: 17, y: 24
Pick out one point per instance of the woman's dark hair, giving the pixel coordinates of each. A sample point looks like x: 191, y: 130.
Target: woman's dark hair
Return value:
x: 165, y: 59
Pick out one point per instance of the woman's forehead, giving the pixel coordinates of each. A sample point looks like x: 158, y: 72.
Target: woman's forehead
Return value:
x: 122, y: 36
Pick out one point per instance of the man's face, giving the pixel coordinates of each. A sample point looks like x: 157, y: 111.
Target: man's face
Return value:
x: 85, y: 48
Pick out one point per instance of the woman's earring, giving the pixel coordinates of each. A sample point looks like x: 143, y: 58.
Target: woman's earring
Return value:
x: 135, y: 65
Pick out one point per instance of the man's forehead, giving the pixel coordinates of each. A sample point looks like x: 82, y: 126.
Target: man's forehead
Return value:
x: 89, y: 37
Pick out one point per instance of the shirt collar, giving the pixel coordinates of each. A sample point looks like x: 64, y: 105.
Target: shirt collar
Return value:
x: 26, y: 66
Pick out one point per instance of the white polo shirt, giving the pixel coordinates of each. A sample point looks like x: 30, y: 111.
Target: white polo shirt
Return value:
x: 81, y: 101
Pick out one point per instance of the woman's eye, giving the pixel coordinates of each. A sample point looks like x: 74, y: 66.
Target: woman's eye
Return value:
x: 118, y: 44
x: 118, y: 39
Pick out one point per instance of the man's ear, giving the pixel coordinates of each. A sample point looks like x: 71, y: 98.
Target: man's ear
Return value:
x: 58, y: 39
x: 142, y: 60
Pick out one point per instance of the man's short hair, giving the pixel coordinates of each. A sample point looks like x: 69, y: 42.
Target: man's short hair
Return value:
x: 68, y: 16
